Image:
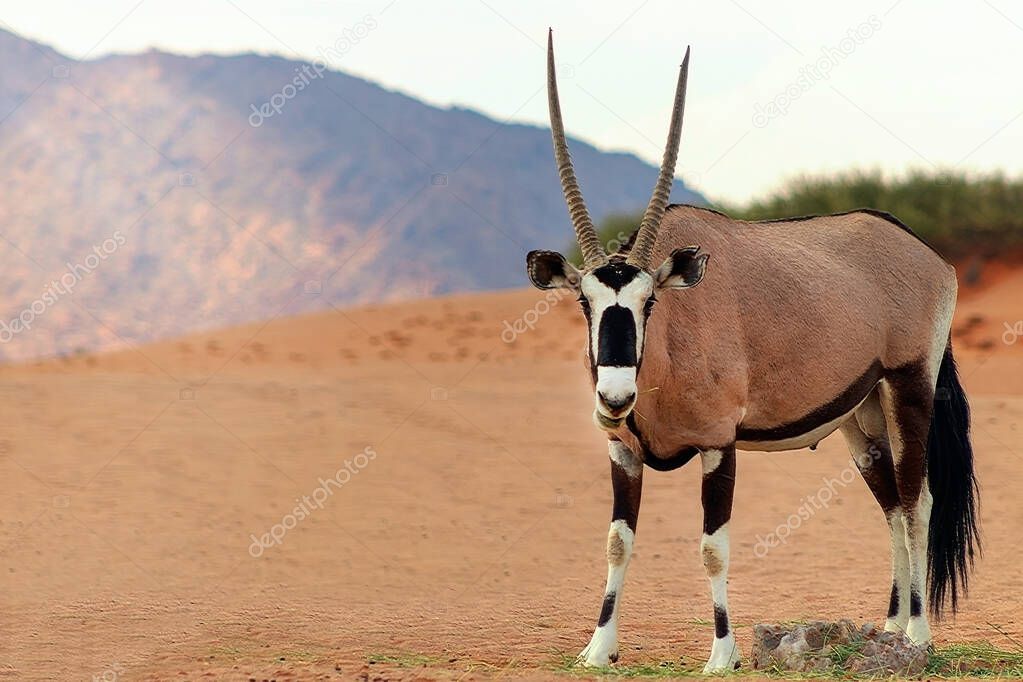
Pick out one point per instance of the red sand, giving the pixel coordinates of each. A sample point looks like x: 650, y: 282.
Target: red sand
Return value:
x: 470, y: 545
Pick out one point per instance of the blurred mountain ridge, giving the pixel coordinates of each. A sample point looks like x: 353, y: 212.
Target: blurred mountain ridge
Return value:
x: 248, y: 187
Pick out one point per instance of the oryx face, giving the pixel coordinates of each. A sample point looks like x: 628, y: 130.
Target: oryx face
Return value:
x: 617, y: 299
x: 616, y: 292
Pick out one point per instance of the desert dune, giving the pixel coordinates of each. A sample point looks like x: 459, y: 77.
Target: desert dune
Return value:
x: 461, y: 532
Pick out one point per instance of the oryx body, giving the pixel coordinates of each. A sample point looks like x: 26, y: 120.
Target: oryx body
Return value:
x: 798, y: 328
x: 789, y: 331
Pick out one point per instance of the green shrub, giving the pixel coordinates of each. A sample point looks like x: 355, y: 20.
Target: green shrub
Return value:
x: 959, y: 214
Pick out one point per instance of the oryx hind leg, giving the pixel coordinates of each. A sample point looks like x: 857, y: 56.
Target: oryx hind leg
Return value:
x: 627, y: 486
x: 907, y: 397
x: 866, y: 433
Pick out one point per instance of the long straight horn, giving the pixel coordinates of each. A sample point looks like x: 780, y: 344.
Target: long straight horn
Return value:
x: 640, y: 254
x: 589, y: 243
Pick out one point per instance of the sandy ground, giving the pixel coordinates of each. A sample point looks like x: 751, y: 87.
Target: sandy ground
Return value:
x: 466, y: 538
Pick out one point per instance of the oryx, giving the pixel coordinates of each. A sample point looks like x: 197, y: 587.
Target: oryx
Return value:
x: 796, y: 329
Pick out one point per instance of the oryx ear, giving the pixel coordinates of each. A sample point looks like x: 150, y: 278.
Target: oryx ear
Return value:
x: 683, y: 268
x: 550, y: 270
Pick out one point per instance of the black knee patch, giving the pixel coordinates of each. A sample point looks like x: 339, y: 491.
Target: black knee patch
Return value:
x: 606, y: 610
x: 893, y: 603
x: 720, y: 622
x: 916, y: 607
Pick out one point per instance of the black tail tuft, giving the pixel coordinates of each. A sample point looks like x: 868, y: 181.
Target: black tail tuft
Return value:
x: 953, y: 533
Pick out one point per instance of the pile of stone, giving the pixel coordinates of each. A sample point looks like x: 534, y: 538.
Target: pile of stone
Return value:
x: 820, y: 646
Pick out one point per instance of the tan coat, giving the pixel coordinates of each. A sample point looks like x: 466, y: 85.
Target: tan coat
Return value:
x: 788, y: 315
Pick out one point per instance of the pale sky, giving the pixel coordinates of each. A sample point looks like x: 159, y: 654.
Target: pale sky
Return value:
x: 897, y: 84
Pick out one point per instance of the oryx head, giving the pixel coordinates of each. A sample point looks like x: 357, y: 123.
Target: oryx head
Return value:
x: 617, y: 293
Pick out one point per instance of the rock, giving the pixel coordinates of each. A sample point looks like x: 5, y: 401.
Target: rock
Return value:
x: 821, y: 646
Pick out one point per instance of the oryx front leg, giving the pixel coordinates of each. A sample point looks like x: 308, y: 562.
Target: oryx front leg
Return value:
x: 627, y: 483
x: 718, y: 488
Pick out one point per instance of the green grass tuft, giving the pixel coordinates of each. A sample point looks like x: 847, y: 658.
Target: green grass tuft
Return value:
x: 954, y: 661
x: 978, y: 659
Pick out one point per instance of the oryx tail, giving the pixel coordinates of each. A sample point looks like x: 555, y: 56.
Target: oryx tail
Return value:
x: 953, y: 536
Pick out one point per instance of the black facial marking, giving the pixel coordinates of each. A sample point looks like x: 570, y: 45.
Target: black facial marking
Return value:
x: 616, y: 275
x: 916, y: 606
x: 720, y: 622
x: 893, y: 602
x: 616, y: 340
x: 606, y: 610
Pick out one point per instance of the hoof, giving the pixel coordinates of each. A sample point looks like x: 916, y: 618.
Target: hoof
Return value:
x: 599, y: 653
x: 892, y: 625
x: 919, y: 631
x: 711, y: 669
x: 724, y: 656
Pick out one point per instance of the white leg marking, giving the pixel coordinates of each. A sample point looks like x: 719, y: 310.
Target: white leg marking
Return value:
x: 919, y: 630
x: 603, y: 647
x: 621, y: 455
x: 714, y: 549
x: 711, y: 460
x: 900, y: 573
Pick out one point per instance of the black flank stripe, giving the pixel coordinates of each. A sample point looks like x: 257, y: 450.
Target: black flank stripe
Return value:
x: 842, y: 404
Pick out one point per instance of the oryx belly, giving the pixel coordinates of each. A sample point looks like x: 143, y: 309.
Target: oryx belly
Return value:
x: 804, y: 440
x: 799, y: 431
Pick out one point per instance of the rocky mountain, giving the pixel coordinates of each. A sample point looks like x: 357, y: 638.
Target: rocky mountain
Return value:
x: 149, y: 195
